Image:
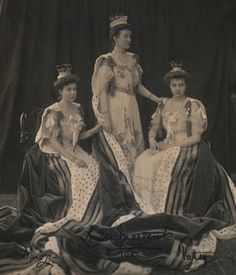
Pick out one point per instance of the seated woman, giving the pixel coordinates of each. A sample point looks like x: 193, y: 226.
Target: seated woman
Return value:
x: 61, y: 129
x: 179, y: 175
x: 83, y: 215
x: 59, y: 180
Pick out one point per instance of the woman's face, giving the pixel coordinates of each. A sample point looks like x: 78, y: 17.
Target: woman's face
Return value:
x: 178, y: 87
x: 123, y: 39
x: 69, y: 92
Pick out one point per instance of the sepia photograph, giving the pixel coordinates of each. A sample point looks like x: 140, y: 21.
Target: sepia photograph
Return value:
x: 118, y: 137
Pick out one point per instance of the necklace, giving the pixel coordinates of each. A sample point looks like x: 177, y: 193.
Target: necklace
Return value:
x: 67, y: 110
x: 121, y: 59
x: 176, y: 105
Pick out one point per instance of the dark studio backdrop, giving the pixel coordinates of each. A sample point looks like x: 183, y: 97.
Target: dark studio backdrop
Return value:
x: 36, y: 35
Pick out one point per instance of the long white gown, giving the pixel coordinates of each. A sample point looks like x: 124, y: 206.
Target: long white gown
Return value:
x: 120, y: 83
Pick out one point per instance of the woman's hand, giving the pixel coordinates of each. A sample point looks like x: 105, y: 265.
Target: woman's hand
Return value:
x: 155, y: 98
x: 107, y: 124
x: 96, y: 129
x: 146, y: 93
x: 81, y: 163
x: 163, y: 145
x: 153, y: 144
x: 158, y: 99
x: 90, y: 132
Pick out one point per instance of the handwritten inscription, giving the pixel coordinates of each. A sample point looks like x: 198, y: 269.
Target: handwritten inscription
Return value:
x: 40, y: 258
x: 140, y: 240
x: 92, y: 239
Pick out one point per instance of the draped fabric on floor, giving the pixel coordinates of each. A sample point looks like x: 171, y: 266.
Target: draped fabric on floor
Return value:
x: 44, y: 194
x: 92, y: 245
x: 37, y: 35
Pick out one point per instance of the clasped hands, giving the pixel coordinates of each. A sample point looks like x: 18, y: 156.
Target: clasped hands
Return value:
x: 154, y: 145
x: 79, y: 162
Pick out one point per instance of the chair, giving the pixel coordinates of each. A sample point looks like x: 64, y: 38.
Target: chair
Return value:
x: 29, y: 124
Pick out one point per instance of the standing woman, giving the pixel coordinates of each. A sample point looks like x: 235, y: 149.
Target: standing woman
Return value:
x: 115, y: 83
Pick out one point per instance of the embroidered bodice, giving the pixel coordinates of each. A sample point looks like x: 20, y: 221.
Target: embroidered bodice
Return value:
x: 55, y: 124
x: 124, y: 78
x: 191, y: 118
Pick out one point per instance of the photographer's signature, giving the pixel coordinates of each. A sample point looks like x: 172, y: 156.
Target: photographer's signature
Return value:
x: 40, y: 258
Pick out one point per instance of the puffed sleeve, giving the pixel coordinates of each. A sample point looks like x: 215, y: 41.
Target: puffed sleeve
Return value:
x: 198, y: 118
x: 49, y: 127
x: 102, y: 74
x: 105, y: 76
x: 101, y: 83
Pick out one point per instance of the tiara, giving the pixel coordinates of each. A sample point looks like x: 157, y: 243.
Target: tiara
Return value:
x: 63, y: 70
x: 176, y: 66
x: 118, y: 20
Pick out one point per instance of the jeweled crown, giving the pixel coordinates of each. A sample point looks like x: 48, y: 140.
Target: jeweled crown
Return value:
x: 63, y: 70
x: 176, y: 66
x: 118, y: 20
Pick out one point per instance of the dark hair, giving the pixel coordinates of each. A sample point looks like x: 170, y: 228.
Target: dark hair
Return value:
x: 180, y: 74
x: 60, y: 83
x: 115, y: 31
